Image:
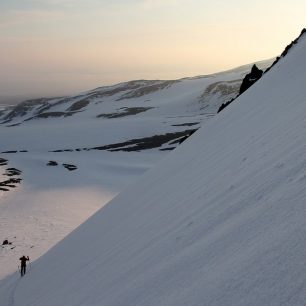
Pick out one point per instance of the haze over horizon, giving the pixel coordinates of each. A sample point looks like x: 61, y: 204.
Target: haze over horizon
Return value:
x: 59, y: 47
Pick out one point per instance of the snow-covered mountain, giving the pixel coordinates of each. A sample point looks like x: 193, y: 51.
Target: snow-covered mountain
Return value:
x: 133, y: 111
x: 67, y: 157
x: 220, y: 221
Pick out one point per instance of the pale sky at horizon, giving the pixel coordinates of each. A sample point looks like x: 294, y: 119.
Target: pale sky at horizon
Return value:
x: 58, y: 47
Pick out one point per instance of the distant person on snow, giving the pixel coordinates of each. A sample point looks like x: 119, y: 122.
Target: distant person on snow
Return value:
x: 23, y: 260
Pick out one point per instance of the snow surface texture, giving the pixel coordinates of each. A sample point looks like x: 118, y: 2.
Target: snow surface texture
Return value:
x: 51, y: 201
x: 221, y: 221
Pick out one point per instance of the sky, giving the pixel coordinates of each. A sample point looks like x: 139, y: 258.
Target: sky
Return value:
x: 61, y: 47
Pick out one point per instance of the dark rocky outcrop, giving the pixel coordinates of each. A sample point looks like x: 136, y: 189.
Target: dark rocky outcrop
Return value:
x: 139, y: 144
x: 70, y: 167
x: 3, y: 162
x: 147, y: 143
x: 186, y: 124
x: 24, y: 107
x: 247, y: 82
x: 64, y: 150
x: 12, y: 182
x: 12, y: 172
x: 256, y: 73
x: 224, y: 105
x: 4, y: 189
x: 78, y: 105
x: 250, y: 79
x: 13, y: 152
x: 125, y: 111
x: 182, y: 139
x: 6, y: 242
x: 52, y: 163
x: 285, y: 52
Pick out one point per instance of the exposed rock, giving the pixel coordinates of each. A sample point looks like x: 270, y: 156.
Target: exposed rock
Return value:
x: 250, y: 79
x: 146, y: 143
x: 52, y: 163
x: 64, y: 150
x: 167, y: 149
x: 224, y: 105
x: 285, y: 52
x: 256, y: 73
x: 186, y: 124
x: 182, y: 139
x: 9, y: 152
x: 24, y: 107
x: 140, y: 144
x: 3, y: 162
x: 12, y: 172
x: 125, y: 111
x: 70, y: 167
x: 49, y: 114
x: 247, y: 82
x: 15, y: 124
x: 78, y: 105
x: 11, y: 182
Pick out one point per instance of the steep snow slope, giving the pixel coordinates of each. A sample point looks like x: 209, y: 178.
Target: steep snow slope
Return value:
x: 111, y: 134
x: 221, y: 221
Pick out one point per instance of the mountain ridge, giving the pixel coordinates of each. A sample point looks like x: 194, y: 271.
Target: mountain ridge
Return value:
x: 130, y: 89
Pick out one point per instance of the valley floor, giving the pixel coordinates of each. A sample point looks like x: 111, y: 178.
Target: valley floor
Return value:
x: 52, y: 201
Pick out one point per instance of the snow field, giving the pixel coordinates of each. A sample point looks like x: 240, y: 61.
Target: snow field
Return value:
x: 220, y: 221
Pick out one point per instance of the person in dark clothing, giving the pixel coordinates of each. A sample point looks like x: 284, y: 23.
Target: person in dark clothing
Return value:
x: 23, y: 260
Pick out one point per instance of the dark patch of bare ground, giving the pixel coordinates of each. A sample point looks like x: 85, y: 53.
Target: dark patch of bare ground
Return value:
x: 12, y: 172
x: 43, y: 107
x: 70, y: 167
x: 52, y: 163
x: 64, y: 150
x: 140, y: 144
x: 13, y: 151
x: 147, y: 143
x: 125, y: 111
x: 53, y: 115
x: 78, y: 105
x: 186, y: 124
x: 12, y: 182
x: 23, y: 108
x: 15, y: 124
x: 3, y: 162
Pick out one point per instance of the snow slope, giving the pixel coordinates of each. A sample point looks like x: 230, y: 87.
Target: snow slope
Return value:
x: 111, y: 134
x: 220, y: 221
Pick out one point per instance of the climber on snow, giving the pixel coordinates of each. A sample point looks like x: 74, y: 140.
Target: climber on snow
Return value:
x: 23, y: 261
